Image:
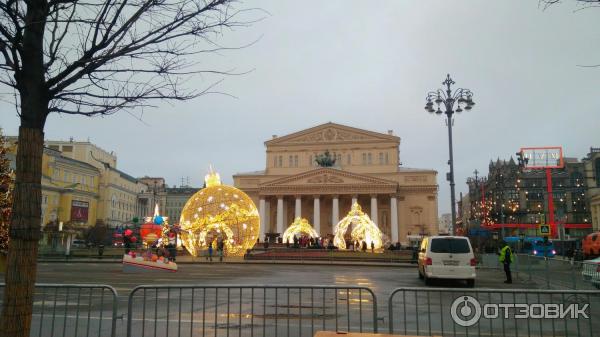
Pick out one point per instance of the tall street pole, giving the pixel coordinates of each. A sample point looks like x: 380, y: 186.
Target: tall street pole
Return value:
x: 451, y: 174
x: 449, y: 100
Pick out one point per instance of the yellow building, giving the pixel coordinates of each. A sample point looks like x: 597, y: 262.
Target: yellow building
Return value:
x: 117, y: 190
x: 69, y: 190
x: 401, y: 201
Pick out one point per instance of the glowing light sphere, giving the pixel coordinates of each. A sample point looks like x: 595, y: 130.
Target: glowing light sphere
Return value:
x: 299, y: 226
x: 219, y: 212
x: 363, y: 229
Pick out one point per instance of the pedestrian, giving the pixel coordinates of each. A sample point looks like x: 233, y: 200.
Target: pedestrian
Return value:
x: 210, y: 251
x: 372, y: 247
x: 364, y: 246
x: 506, y: 258
x: 220, y: 246
x: 172, y: 246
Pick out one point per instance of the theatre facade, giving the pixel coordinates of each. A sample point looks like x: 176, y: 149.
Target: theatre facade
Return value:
x: 401, y: 201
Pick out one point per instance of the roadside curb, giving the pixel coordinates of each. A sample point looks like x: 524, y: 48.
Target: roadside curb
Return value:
x: 277, y: 262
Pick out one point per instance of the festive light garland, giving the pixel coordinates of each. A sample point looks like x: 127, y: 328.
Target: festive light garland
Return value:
x: 363, y: 229
x: 299, y: 226
x: 219, y: 212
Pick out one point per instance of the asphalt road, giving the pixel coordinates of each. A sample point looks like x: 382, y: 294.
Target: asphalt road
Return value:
x: 283, y: 309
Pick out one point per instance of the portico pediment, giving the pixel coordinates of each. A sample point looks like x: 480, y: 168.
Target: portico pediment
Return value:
x: 328, y: 180
x: 331, y: 133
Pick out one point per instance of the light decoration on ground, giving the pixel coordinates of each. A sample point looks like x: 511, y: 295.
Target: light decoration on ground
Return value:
x: 363, y: 229
x: 300, y: 226
x: 219, y: 212
x: 155, y: 228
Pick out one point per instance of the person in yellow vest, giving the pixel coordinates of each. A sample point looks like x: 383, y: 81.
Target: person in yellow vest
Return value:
x: 506, y: 258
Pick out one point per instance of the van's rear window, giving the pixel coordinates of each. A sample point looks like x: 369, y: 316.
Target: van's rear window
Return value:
x: 450, y: 245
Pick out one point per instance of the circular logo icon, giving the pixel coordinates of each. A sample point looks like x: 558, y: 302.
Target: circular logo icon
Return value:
x: 465, y: 311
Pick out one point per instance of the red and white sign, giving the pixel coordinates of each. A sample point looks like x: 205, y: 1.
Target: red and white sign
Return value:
x: 543, y: 157
x: 79, y: 210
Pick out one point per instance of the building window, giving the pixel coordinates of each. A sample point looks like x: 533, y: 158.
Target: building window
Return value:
x: 280, y: 161
x: 387, y: 161
x: 274, y: 161
x: 290, y: 162
x: 66, y: 176
x: 349, y: 159
x: 338, y: 159
x: 364, y: 155
x: 380, y: 158
x: 369, y: 159
x: 296, y: 161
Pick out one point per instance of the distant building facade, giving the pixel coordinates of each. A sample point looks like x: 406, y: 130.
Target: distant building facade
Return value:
x: 445, y: 223
x: 591, y: 165
x: 170, y: 200
x: 118, y: 191
x: 401, y: 201
x: 512, y: 200
x: 81, y: 185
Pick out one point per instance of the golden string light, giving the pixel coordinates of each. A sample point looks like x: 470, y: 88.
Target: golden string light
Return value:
x: 219, y: 212
x: 363, y: 229
x: 300, y: 226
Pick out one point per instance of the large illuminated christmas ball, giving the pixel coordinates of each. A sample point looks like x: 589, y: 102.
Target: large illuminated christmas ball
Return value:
x: 219, y: 212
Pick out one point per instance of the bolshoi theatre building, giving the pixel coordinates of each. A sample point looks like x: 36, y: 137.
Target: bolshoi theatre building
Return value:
x: 401, y: 201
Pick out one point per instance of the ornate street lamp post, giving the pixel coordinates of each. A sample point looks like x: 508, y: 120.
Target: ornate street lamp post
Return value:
x: 448, y: 102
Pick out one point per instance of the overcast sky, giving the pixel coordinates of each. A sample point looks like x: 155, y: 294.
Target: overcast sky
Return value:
x: 369, y: 64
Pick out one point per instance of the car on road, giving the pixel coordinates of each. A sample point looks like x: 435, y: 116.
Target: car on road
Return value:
x: 78, y: 244
x: 590, y: 271
x: 447, y: 257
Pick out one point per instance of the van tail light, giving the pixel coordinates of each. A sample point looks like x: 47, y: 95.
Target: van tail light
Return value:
x: 473, y: 262
x: 428, y: 261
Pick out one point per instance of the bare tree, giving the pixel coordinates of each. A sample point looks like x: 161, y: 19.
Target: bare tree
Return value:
x: 89, y: 57
x: 583, y: 4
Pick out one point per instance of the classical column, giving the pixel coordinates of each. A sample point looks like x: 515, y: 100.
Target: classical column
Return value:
x: 263, y: 217
x: 374, y: 216
x: 267, y: 216
x: 394, y: 211
x: 335, y: 212
x: 280, y: 214
x: 298, y: 211
x: 317, y: 215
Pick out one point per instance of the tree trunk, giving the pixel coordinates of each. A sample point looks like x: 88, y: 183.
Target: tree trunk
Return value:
x: 24, y: 234
x: 26, y: 211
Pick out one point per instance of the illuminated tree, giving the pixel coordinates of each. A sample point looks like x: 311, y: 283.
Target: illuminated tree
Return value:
x: 6, y: 185
x: 90, y: 58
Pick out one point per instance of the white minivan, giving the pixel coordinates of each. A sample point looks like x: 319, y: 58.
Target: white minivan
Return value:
x: 447, y: 257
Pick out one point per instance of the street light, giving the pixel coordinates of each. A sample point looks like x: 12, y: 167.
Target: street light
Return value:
x: 451, y: 102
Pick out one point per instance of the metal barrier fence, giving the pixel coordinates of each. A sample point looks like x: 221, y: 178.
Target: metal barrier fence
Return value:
x: 297, y: 311
x: 72, y: 310
x: 294, y: 311
x: 431, y: 311
x: 550, y: 272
